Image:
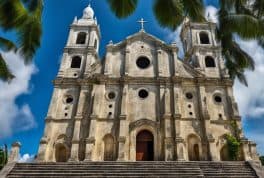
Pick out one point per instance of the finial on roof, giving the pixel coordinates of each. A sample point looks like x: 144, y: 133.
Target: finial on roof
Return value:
x: 142, y: 21
x: 88, y: 12
x: 186, y: 19
x: 209, y: 18
x: 75, y: 20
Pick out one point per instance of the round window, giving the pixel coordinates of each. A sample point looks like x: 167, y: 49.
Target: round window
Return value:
x: 218, y: 99
x: 143, y: 62
x: 143, y: 93
x: 69, y: 99
x: 189, y: 95
x: 111, y: 95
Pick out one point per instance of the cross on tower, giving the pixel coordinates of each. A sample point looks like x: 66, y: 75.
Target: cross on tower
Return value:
x: 142, y: 23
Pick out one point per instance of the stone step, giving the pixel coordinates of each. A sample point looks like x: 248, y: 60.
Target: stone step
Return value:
x: 133, y: 169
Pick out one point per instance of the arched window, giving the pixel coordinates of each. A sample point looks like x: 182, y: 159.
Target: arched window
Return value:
x: 204, y: 38
x: 209, y: 61
x: 76, y: 62
x: 81, y: 38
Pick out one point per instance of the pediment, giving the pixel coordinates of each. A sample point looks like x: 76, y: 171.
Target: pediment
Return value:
x: 145, y: 38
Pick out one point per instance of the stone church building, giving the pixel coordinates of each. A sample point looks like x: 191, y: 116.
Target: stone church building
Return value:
x: 140, y: 102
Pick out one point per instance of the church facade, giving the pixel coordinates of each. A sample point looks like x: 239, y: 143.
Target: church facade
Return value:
x: 141, y: 102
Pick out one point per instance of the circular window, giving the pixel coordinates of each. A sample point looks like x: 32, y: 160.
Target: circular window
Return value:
x: 111, y: 95
x: 189, y: 95
x: 69, y: 99
x: 143, y: 93
x: 218, y: 99
x: 143, y: 62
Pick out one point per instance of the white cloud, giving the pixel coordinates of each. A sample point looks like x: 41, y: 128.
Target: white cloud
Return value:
x: 15, y: 118
x: 26, y: 158
x: 251, y: 99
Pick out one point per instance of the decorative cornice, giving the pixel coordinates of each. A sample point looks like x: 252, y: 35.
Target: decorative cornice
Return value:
x: 102, y: 79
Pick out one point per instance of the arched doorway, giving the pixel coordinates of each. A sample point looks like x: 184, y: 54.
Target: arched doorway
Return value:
x: 224, y: 153
x: 193, y: 148
x: 61, y: 154
x: 109, y: 147
x: 145, y: 146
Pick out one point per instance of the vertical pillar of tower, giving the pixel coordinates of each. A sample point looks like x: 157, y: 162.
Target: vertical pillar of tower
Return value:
x: 53, y: 103
x: 160, y: 62
x: 169, y: 142
x: 215, y: 156
x: 77, y: 124
x: 175, y: 60
x: 123, y: 127
x: 205, y: 125
x: 179, y: 150
x: 127, y: 61
x: 90, y: 141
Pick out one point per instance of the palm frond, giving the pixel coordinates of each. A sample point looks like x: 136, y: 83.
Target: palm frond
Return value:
x: 29, y: 38
x: 5, y: 73
x: 252, y: 27
x: 169, y: 13
x: 242, y: 59
x: 123, y: 8
x: 194, y: 9
x: 7, y: 45
x: 12, y: 14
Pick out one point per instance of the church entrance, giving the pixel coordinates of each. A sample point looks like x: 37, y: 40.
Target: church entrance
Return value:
x: 61, y: 153
x: 144, y: 147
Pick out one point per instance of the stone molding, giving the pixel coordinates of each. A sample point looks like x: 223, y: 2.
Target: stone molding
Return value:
x: 142, y: 122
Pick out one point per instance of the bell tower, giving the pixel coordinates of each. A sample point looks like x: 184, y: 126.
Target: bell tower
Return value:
x: 66, y: 106
x: 82, y: 47
x: 202, y: 49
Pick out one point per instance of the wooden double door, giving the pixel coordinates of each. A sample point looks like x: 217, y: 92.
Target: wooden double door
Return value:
x: 145, y: 146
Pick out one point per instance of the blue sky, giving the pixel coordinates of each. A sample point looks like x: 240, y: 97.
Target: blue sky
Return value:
x: 29, y: 105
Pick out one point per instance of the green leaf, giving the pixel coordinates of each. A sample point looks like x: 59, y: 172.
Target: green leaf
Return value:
x: 122, y: 8
x: 29, y: 37
x: 5, y: 74
x: 7, y: 45
x: 169, y: 13
x: 252, y: 27
x: 194, y: 9
x: 12, y: 14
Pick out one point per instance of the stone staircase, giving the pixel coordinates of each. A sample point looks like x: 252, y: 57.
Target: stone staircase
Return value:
x: 153, y: 169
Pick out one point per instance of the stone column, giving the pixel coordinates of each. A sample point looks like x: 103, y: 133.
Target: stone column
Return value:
x: 127, y: 61
x: 14, y: 154
x: 77, y: 124
x: 169, y: 142
x: 90, y: 142
x: 179, y: 149
x: 175, y: 60
x: 53, y: 103
x: 123, y: 126
x: 245, y: 148
x: 213, y: 150
x: 160, y: 62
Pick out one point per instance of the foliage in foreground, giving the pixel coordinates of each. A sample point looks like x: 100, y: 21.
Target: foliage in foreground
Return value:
x: 24, y: 18
x: 3, y: 156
